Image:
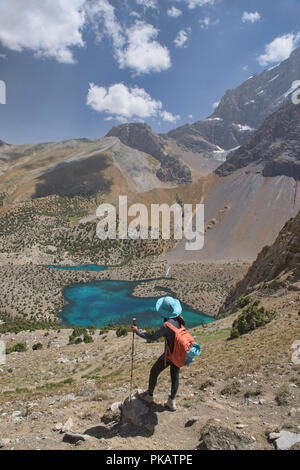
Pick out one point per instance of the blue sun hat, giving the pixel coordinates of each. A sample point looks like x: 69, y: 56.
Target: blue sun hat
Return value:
x: 168, y: 307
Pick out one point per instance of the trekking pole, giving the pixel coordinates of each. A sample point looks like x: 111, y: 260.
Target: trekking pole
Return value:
x: 132, y: 358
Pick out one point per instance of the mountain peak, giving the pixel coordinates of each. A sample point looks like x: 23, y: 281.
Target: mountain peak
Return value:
x: 138, y: 135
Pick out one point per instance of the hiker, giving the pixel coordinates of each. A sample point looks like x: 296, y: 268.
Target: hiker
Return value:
x: 170, y: 309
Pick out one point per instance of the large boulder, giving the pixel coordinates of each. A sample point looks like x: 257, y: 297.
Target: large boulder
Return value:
x: 138, y: 412
x: 216, y: 436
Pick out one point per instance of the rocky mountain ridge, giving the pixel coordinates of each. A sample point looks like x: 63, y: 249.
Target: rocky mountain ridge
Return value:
x: 262, y: 94
x: 275, y: 146
x: 140, y: 137
x: 243, y: 110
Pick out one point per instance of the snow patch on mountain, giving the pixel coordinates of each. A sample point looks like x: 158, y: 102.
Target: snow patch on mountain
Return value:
x: 243, y: 128
x: 274, y: 78
x: 222, y: 154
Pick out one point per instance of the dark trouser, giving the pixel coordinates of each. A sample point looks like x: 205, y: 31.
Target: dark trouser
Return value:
x: 158, y: 367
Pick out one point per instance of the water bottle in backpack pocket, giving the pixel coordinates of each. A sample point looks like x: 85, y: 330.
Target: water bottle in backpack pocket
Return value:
x: 185, y: 347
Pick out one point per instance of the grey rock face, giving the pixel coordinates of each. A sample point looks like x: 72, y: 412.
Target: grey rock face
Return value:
x: 207, y: 134
x: 260, y: 95
x: 276, y: 146
x: 140, y: 137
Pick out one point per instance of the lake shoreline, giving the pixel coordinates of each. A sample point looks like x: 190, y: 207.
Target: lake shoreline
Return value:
x: 87, y: 304
x: 35, y: 292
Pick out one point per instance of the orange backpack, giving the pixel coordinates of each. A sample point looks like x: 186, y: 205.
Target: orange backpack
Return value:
x: 182, y: 343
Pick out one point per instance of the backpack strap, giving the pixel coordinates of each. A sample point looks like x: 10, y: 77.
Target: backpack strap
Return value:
x: 167, y: 352
x: 172, y: 327
x: 167, y: 349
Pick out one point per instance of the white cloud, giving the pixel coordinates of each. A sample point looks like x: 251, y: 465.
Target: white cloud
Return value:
x: 166, y: 116
x: 52, y: 28
x: 147, y: 3
x: 135, y: 14
x: 49, y: 28
x: 181, y: 38
x: 174, y: 12
x: 250, y: 17
x: 215, y: 104
x: 135, y: 47
x: 195, y: 3
x: 143, y: 53
x: 206, y: 22
x: 123, y: 103
x: 102, y: 13
x: 119, y: 100
x: 279, y: 49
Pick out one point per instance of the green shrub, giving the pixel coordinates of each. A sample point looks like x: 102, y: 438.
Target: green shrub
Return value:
x: 283, y: 395
x: 242, y: 303
x: 92, y: 329
x: 122, y: 331
x: 19, y: 347
x: 87, y: 338
x: 16, y: 325
x: 37, y: 346
x: 78, y: 331
x: 80, y: 335
x: 251, y: 318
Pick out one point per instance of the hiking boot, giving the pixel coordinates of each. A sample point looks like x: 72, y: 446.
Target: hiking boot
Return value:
x: 145, y: 396
x: 171, y: 404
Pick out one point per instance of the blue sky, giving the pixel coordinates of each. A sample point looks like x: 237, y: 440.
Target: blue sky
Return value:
x: 75, y: 68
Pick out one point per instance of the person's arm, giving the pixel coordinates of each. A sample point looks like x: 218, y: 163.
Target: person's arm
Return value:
x: 157, y: 334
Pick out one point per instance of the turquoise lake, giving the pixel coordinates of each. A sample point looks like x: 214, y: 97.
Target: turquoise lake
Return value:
x: 83, y: 267
x: 101, y: 302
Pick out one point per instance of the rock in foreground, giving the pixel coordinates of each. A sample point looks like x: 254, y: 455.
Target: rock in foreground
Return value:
x: 216, y: 436
x: 139, y: 413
